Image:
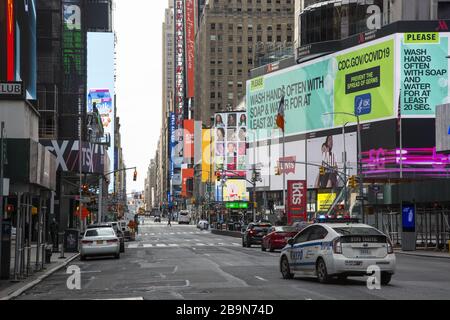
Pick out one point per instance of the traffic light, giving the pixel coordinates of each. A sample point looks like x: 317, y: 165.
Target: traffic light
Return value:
x: 353, y: 183
x: 218, y: 176
x: 322, y: 171
x: 135, y: 175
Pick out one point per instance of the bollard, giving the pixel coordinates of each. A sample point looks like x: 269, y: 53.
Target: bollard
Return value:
x: 448, y: 244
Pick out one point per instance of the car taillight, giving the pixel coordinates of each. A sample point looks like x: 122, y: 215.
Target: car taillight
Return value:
x: 112, y: 241
x: 252, y: 232
x: 337, y: 246
x: 390, y: 247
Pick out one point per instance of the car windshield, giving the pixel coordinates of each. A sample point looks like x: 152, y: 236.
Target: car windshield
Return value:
x: 360, y: 231
x: 100, y: 232
x: 261, y: 228
x: 285, y: 229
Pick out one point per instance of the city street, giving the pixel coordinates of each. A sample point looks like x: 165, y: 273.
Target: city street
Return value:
x: 181, y: 262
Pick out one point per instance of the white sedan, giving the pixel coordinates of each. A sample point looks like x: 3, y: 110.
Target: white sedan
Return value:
x: 326, y: 250
x: 100, y: 242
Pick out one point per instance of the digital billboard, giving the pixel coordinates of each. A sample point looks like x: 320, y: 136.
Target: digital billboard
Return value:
x: 235, y: 190
x: 230, y: 148
x: 424, y: 72
x: 101, y: 84
x: 358, y: 79
x: 328, y: 152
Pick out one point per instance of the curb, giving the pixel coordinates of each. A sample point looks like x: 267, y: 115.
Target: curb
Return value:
x: 30, y: 285
x: 422, y: 255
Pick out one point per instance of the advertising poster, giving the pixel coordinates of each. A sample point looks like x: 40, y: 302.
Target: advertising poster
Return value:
x: 235, y: 190
x: 206, y: 155
x: 364, y: 83
x: 329, y: 152
x: 190, y: 47
x: 308, y: 93
x: 424, y: 73
x: 296, y: 201
x: 325, y: 201
x: 188, y: 141
x: 186, y: 175
x: 230, y: 149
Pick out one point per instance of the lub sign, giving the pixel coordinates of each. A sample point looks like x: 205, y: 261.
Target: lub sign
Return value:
x: 296, y: 201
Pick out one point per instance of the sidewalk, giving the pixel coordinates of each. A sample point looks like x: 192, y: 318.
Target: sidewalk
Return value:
x: 10, y: 290
x: 429, y: 253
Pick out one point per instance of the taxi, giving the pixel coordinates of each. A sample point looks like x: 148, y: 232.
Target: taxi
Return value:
x: 338, y: 248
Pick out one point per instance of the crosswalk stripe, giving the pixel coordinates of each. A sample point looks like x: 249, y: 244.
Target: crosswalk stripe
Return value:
x: 173, y: 245
x: 133, y: 246
x: 235, y: 244
x: 200, y: 244
x: 148, y: 245
x: 161, y: 245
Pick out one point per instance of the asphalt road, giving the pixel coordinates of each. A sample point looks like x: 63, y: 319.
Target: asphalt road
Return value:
x: 181, y: 262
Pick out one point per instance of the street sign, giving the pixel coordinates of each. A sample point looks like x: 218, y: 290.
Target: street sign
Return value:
x: 359, y: 198
x: 237, y: 205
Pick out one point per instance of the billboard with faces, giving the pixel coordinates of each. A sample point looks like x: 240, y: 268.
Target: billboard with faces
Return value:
x: 230, y: 138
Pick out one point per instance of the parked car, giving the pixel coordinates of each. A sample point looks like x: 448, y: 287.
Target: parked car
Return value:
x: 277, y: 238
x: 254, y: 233
x: 203, y: 225
x: 100, y: 242
x: 117, y: 230
x: 338, y: 249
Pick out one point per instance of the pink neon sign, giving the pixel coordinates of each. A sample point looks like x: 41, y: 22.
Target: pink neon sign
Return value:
x: 424, y: 161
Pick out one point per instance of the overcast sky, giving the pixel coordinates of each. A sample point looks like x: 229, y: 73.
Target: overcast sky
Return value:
x: 138, y: 24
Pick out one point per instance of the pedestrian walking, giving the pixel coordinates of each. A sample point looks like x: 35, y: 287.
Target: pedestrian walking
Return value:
x: 169, y: 223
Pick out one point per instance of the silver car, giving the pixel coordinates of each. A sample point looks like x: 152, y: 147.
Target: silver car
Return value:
x: 100, y: 242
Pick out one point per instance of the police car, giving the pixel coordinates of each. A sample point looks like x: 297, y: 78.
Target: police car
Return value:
x: 338, y: 248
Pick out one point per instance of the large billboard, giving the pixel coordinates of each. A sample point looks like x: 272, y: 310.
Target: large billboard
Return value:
x: 101, y: 84
x: 230, y: 137
x: 328, y: 152
x: 336, y: 83
x: 190, y: 48
x: 424, y: 72
x: 235, y: 190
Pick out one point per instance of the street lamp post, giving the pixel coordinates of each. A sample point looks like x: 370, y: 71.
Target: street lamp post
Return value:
x: 361, y: 177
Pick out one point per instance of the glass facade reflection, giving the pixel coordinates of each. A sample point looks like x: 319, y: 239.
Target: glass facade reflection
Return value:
x: 325, y: 20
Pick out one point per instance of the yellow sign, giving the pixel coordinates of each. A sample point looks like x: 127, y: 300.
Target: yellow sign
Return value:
x: 324, y: 201
x: 235, y: 190
x: 34, y: 211
x: 422, y: 37
x: 207, y: 150
x: 257, y: 84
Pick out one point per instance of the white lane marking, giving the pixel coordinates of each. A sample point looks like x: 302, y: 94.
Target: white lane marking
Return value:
x: 146, y: 234
x: 208, y: 255
x: 200, y: 244
x: 187, y: 240
x: 175, y: 270
x: 147, y: 245
x: 152, y: 234
x: 161, y: 245
x: 211, y: 244
x: 122, y: 299
x: 235, y: 244
x: 133, y: 246
x: 171, y: 233
x: 221, y: 244
x: 173, y: 245
x: 262, y: 279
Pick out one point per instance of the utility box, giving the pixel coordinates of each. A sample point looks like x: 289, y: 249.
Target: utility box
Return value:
x: 408, y: 226
x: 5, y: 259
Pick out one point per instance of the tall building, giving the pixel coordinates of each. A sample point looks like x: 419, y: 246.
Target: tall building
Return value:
x: 231, y: 37
x: 322, y: 20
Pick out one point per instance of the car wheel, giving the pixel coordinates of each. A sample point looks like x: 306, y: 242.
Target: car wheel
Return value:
x: 263, y: 248
x: 82, y: 258
x: 285, y: 269
x: 385, y: 278
x: 321, y: 271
